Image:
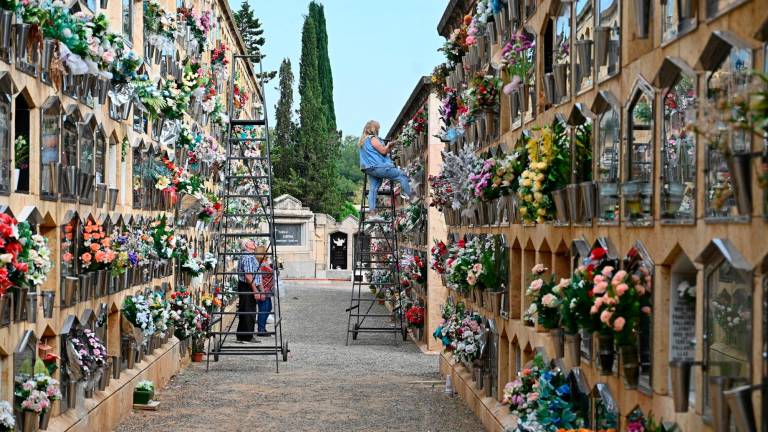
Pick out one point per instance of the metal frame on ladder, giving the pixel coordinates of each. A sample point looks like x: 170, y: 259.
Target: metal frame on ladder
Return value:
x: 362, y: 303
x: 227, y: 259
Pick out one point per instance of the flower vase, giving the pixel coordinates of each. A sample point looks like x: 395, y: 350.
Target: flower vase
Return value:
x: 556, y: 334
x: 541, y: 329
x: 486, y: 299
x: 30, y: 422
x: 587, y: 196
x: 561, y: 206
x: 19, y: 303
x: 584, y: 53
x: 45, y: 417
x: 606, y: 353
x: 113, y: 198
x: 6, y: 22
x: 572, y: 349
x: 32, y: 307
x: 686, y: 8
x: 739, y: 166
x: 630, y: 365
x: 22, y: 37
x: 561, y: 81
x: 574, y: 203
x: 549, y: 88
x: 602, y: 36
x: 15, y: 179
x: 105, y: 86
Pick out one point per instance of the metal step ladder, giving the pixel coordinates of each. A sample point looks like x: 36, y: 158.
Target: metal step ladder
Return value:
x: 376, y: 273
x: 248, y: 187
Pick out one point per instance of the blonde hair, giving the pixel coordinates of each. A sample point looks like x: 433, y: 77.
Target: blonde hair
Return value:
x: 371, y: 129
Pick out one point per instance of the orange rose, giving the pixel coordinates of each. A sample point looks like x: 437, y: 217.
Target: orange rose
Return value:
x: 100, y: 256
x: 67, y: 257
x: 86, y: 257
x: 106, y: 242
x: 86, y: 236
x: 94, y: 247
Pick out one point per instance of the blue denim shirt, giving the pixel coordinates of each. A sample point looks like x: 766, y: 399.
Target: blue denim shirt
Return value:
x: 370, y: 157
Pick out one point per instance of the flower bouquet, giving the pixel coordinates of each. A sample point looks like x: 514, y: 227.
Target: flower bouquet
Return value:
x: 546, y: 297
x: 415, y: 317
x: 446, y: 332
x: 517, y: 56
x: 35, y: 254
x: 548, y: 170
x: 32, y: 400
x: 440, y: 192
x: 163, y: 239
x: 456, y: 45
x: 159, y: 311
x: 181, y: 314
x: 137, y: 311
x: 620, y: 300
x: 96, y: 252
x: 483, y: 93
x: 469, y: 338
x: 7, y: 420
x: 498, y: 176
x: 463, y: 257
x: 438, y: 255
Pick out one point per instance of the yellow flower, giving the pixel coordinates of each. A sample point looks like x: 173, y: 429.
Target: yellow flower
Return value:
x: 542, y: 211
x: 523, y: 211
x: 540, y: 177
x: 537, y: 196
x: 525, y: 182
x: 537, y: 186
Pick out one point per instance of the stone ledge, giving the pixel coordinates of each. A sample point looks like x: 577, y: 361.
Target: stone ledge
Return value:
x: 494, y: 416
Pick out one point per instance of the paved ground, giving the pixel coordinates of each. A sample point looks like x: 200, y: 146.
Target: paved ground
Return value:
x: 372, y: 385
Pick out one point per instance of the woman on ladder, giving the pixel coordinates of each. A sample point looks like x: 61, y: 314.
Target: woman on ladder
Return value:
x: 376, y: 164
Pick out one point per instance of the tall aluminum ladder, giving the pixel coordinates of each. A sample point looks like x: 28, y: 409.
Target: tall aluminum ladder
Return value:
x: 248, y: 213
x: 377, y: 270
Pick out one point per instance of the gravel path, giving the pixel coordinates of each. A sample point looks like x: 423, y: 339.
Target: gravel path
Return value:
x: 372, y: 385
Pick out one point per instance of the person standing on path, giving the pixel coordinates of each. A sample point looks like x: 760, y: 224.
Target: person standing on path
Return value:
x: 376, y: 164
x: 267, y: 283
x: 247, y: 288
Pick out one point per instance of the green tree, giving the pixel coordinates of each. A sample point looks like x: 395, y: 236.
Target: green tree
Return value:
x: 252, y: 34
x: 284, y: 135
x: 316, y: 11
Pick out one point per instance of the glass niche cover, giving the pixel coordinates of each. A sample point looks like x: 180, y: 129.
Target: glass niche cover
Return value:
x: 607, y: 178
x: 637, y: 188
x: 678, y: 153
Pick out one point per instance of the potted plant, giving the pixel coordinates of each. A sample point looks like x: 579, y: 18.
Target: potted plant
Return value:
x: 143, y: 392
x: 198, y: 349
x: 33, y: 403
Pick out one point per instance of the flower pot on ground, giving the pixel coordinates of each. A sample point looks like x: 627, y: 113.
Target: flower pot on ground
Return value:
x: 143, y: 393
x: 197, y: 357
x: 572, y: 351
x: 630, y: 365
x: 606, y: 353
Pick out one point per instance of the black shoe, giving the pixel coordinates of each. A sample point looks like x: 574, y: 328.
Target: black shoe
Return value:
x: 263, y: 334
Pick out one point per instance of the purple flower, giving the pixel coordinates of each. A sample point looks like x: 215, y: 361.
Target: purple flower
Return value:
x: 133, y: 258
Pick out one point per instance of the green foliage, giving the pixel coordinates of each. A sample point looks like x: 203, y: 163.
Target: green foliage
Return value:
x: 324, y: 64
x: 583, y: 152
x: 21, y: 152
x: 253, y: 34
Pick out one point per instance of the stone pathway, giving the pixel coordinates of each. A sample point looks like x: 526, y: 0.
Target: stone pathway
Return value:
x: 372, y: 385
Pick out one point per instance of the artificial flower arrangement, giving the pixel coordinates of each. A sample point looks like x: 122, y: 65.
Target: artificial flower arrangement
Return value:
x: 484, y: 10
x: 541, y: 399
x: 96, y: 252
x: 578, y: 295
x: 191, y: 264
x: 456, y: 45
x: 498, y: 176
x: 461, y: 265
x: 159, y: 310
x: 13, y: 272
x: 205, y: 149
x: 412, y: 271
x: 440, y: 192
x: 415, y: 317
x: 413, y: 128
x: 461, y: 334
x: 7, y: 420
x: 483, y: 93
x: 518, y: 58
x: 621, y: 299
x: 219, y: 61
x: 456, y: 171
x: 450, y: 103
x: 124, y: 258
x: 439, y: 78
x: 410, y: 219
x: 446, y: 332
x: 32, y: 399
x: 732, y: 314
x: 181, y: 313
x: 136, y: 310
x: 35, y: 254
x: 546, y: 298
x: 159, y: 26
x: 97, y: 352
x: 163, y: 238
x: 240, y: 99
x: 548, y: 170
x: 210, y: 207
x: 200, y: 24
x: 438, y: 256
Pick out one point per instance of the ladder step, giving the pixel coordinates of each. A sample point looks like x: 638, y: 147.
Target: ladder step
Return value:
x: 272, y: 351
x: 248, y: 122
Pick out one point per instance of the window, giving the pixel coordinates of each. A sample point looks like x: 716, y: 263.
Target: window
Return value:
x: 128, y: 20
x: 49, y: 146
x: 100, y: 156
x: 585, y: 32
x: 678, y: 152
x: 728, y: 75
x: 678, y: 18
x: 637, y: 189
x: 561, y: 53
x: 608, y: 39
x: 21, y: 153
x: 608, y: 158
x: 728, y: 317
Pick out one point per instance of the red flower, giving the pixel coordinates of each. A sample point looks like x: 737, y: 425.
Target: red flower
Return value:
x: 461, y: 243
x: 14, y: 248
x: 598, y: 253
x: 22, y: 267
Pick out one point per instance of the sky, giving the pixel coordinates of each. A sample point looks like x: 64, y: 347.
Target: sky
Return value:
x: 378, y: 51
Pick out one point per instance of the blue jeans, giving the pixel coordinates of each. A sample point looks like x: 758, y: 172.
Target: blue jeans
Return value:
x: 377, y: 174
x: 265, y: 307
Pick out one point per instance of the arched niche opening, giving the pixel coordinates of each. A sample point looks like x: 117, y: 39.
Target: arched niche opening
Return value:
x: 516, y: 289
x: 581, y: 191
x: 7, y: 91
x: 504, y: 362
x: 605, y: 409
x: 638, y: 263
x: 69, y: 152
x: 728, y: 322
x: 607, y: 39
x: 607, y: 157
x: 637, y: 186
x: 70, y: 239
x: 584, y: 33
x: 678, y: 145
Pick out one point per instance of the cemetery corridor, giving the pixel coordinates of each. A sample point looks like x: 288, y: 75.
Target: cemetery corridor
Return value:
x: 371, y: 385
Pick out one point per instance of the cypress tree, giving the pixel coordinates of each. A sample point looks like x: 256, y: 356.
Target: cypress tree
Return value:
x: 316, y: 10
x: 284, y: 153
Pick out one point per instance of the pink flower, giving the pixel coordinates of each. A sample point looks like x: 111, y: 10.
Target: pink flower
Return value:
x: 471, y: 40
x: 621, y: 289
x: 618, y: 277
x: 640, y: 290
x: 513, y: 85
x: 538, y: 269
x: 108, y: 56
x: 605, y: 316
x: 549, y: 301
x: 599, y: 278
x: 618, y: 324
x: 471, y: 279
x: 646, y: 310
x: 607, y: 270
x: 536, y: 285
x: 564, y: 283
x: 594, y: 309
x: 600, y: 288
x: 533, y: 396
x: 599, y: 302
